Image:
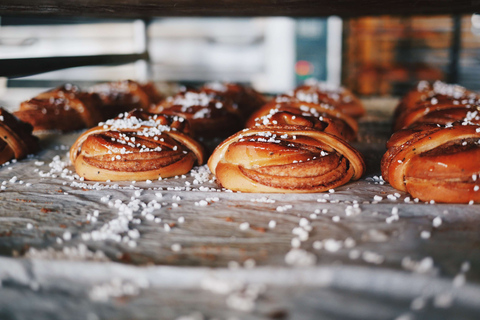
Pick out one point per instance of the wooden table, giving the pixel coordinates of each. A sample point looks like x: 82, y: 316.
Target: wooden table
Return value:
x: 71, y: 250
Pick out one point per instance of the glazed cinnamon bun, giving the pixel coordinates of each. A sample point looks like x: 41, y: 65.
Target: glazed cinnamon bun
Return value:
x: 287, y: 110
x: 136, y: 146
x: 322, y: 92
x: 65, y: 108
x: 16, y: 139
x: 285, y: 159
x: 245, y: 99
x: 435, y: 103
x: 433, y: 162
x: 124, y: 96
x: 208, y: 115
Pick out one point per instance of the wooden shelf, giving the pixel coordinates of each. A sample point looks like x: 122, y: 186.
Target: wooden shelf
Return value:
x: 300, y: 8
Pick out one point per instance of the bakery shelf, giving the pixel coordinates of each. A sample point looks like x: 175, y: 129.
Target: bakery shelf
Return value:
x: 165, y: 8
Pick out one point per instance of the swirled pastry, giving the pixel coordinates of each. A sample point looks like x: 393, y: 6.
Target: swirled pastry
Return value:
x: 246, y: 100
x: 322, y: 92
x: 16, y: 140
x: 439, y: 103
x: 64, y: 108
x: 123, y: 96
x: 434, y: 162
x: 285, y: 159
x: 136, y: 146
x: 208, y: 116
x: 286, y: 110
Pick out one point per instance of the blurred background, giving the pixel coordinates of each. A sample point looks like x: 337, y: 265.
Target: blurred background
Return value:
x: 373, y: 56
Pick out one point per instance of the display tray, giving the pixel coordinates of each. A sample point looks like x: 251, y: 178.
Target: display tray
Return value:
x: 183, y: 246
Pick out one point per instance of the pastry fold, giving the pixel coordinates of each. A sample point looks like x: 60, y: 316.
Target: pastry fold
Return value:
x: 285, y: 159
x: 434, y: 162
x: 136, y: 146
x: 16, y: 139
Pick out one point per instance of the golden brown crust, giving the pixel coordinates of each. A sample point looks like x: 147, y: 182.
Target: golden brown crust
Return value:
x: 136, y: 146
x: 16, y: 140
x: 291, y: 111
x: 285, y: 159
x: 435, y: 163
x: 338, y: 97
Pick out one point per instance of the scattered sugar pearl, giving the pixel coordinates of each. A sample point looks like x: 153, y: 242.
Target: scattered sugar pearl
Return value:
x: 167, y: 227
x: 296, y: 243
x: 244, y: 226
x: 181, y: 220
x: 29, y: 226
x: 317, y: 245
x: 377, y: 198
x: 303, y: 222
x: 272, y: 224
x: 176, y: 247
x: 437, y: 222
x: 476, y: 188
x: 67, y: 236
x: 425, y: 234
x: 335, y: 218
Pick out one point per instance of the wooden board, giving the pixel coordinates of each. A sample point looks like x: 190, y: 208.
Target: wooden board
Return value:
x: 130, y: 264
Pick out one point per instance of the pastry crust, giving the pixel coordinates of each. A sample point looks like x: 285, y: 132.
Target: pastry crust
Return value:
x: 285, y: 159
x: 16, y: 140
x: 136, y: 146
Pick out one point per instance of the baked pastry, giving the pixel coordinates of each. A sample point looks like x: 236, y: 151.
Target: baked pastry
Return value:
x: 136, y: 146
x: 123, y: 96
x: 65, y: 108
x: 433, y: 162
x: 245, y: 99
x: 439, y: 103
x: 287, y: 110
x: 322, y: 92
x: 208, y: 115
x: 16, y: 139
x: 285, y: 159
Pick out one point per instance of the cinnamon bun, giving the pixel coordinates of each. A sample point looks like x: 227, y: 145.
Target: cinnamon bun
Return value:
x: 136, y: 146
x: 208, y: 115
x: 124, y: 96
x: 286, y: 110
x: 16, y: 139
x: 65, y: 108
x: 285, y: 159
x: 246, y: 100
x: 433, y: 162
x: 322, y: 92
